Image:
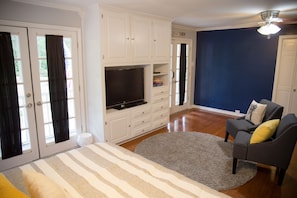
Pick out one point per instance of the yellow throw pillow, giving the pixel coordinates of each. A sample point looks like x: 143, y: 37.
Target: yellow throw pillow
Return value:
x: 264, y: 131
x: 40, y: 186
x: 7, y: 190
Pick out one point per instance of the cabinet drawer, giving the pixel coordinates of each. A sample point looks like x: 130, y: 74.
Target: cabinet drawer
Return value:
x: 160, y: 91
x: 143, y: 112
x: 160, y: 98
x: 160, y: 106
x: 141, y: 121
x: 160, y: 123
x: 142, y: 129
x: 161, y: 114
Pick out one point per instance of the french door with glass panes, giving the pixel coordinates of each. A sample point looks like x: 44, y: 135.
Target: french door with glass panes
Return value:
x: 175, y: 104
x: 37, y: 135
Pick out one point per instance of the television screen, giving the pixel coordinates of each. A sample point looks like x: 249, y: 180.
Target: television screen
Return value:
x: 124, y: 87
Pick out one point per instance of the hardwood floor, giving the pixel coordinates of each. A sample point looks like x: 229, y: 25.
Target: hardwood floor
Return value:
x: 262, y: 185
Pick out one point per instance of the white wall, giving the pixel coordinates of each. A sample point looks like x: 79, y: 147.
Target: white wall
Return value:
x: 94, y: 76
x: 22, y: 12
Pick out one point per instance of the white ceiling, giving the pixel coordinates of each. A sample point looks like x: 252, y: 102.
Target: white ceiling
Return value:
x: 201, y: 14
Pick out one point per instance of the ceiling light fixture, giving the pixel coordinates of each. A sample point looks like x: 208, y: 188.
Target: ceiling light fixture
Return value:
x: 268, y: 29
x: 269, y: 17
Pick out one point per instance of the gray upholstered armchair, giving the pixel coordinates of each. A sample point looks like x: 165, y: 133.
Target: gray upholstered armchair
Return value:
x: 276, y: 151
x: 273, y: 111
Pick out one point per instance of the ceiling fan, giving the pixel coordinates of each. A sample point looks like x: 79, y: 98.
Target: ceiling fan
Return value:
x: 268, y: 25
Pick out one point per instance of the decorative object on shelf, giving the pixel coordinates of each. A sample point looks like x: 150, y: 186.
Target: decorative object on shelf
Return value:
x: 158, y: 82
x: 84, y: 139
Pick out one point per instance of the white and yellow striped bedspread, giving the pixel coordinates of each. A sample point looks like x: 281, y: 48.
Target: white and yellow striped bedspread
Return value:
x: 108, y: 170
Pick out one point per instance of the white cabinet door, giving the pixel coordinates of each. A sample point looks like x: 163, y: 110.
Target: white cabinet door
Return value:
x: 161, y: 40
x: 140, y: 39
x: 125, y: 38
x: 118, y: 127
x: 285, y: 83
x: 115, y: 37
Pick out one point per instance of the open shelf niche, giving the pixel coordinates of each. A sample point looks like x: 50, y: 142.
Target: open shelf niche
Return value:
x: 160, y: 75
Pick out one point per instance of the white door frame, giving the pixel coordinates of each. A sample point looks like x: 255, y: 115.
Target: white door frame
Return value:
x: 176, y: 108
x: 26, y: 104
x: 39, y: 148
x: 289, y: 91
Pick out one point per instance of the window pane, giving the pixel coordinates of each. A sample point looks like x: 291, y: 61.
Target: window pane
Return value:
x: 72, y: 126
x: 21, y: 95
x: 67, y: 47
x: 23, y: 118
x: 177, y: 99
x: 43, y: 69
x: 26, y: 143
x: 41, y: 47
x: 49, y: 133
x: 47, y: 112
x: 44, y: 92
x: 68, y: 65
x: 178, y: 50
x: 70, y: 91
x: 16, y: 46
x: 18, y: 71
x: 177, y: 87
x: 177, y: 63
x: 71, y: 108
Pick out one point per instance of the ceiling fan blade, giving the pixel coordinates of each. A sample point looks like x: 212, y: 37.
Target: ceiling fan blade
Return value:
x: 276, y: 20
x: 262, y: 23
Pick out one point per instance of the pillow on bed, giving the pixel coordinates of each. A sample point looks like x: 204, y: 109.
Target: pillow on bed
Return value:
x: 7, y: 190
x: 40, y: 186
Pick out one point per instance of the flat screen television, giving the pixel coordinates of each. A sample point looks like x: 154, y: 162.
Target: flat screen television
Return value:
x: 124, y: 87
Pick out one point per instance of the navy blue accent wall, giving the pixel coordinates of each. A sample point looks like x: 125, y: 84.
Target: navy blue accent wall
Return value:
x: 233, y: 67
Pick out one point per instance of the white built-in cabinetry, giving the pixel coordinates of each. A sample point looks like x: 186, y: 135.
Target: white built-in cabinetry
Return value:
x: 160, y: 110
x: 133, y: 39
x: 160, y: 48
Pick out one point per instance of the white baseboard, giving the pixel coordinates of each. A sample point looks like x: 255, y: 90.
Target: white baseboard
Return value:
x: 231, y: 113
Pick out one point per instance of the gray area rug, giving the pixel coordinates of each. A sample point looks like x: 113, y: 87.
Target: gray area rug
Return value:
x: 202, y: 157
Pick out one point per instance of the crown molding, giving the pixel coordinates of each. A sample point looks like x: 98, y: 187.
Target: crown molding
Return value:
x: 183, y: 27
x: 247, y: 25
x: 77, y: 9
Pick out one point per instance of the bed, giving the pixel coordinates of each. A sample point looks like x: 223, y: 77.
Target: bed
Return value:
x: 108, y: 170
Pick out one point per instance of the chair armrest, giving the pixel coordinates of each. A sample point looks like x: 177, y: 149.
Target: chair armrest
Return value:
x: 252, y: 129
x: 240, y: 118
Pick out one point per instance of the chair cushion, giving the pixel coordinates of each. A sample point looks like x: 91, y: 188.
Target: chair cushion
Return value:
x: 256, y: 112
x: 234, y: 125
x: 264, y: 131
